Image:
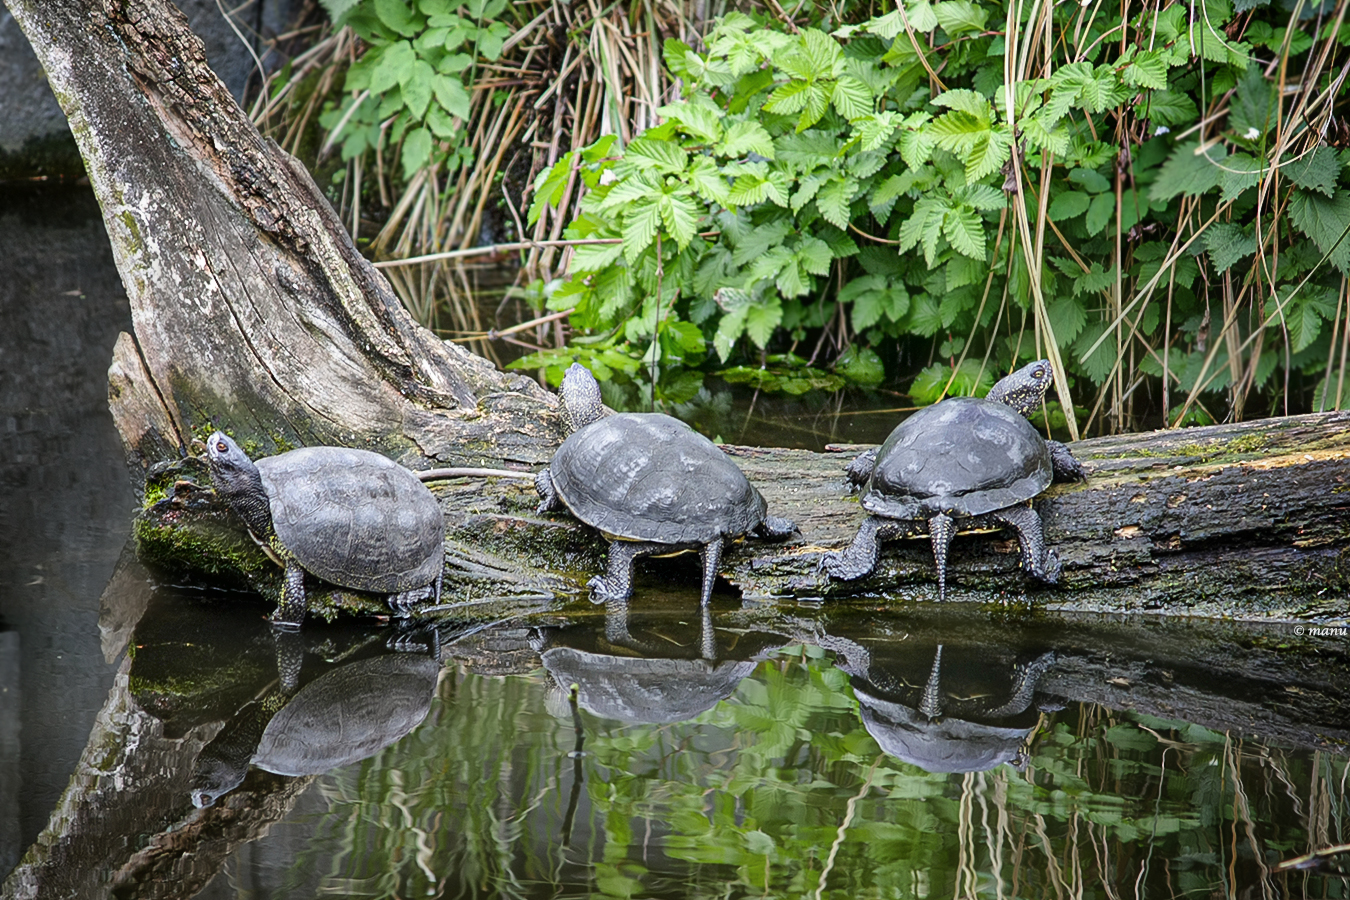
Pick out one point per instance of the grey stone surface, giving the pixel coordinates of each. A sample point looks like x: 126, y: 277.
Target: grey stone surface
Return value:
x: 30, y: 119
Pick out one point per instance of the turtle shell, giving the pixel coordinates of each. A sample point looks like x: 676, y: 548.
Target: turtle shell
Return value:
x: 348, y: 714
x: 648, y: 477
x: 355, y: 518
x: 961, y: 457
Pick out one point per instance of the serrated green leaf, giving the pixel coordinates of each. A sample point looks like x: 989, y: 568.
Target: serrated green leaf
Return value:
x: 1316, y: 171
x: 789, y: 98
x: 640, y: 225
x: 817, y: 102
x: 1326, y: 221
x: 1099, y: 213
x: 916, y: 147
x: 397, y: 15
x: 1055, y: 139
x: 968, y: 102
x: 1068, y: 204
x: 708, y: 181
x: 833, y: 201
x: 451, y: 96
x: 920, y: 15
x: 663, y: 156
x: 1188, y: 172
x: 762, y: 318
x: 594, y: 257
x: 1227, y: 243
x: 746, y: 137
x: 1298, y: 318
x: 924, y: 316
x: 960, y: 16
x: 815, y: 256
x: 1240, y: 172
x: 748, y: 190
x: 852, y: 99
x: 416, y: 151
x: 1148, y: 69
x: 866, y: 310
x: 702, y: 120
x: 964, y: 229
x: 1067, y: 318
x: 395, y: 66
x: 1169, y: 108
x: 416, y: 90
x: 989, y: 154
x: 1100, y: 362
x: 680, y: 216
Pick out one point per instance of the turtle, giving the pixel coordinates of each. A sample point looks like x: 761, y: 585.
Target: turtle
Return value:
x: 962, y: 460
x: 353, y: 518
x: 651, y: 485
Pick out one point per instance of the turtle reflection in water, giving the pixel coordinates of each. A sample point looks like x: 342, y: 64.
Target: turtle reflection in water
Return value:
x: 353, y: 518
x: 651, y: 485
x: 929, y: 726
x: 962, y: 461
x: 647, y: 681
x: 347, y: 714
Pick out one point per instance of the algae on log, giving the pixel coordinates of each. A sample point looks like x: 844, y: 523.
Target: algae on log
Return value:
x: 1245, y: 520
x: 252, y: 309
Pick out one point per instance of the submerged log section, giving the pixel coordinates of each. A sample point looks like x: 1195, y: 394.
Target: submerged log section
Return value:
x: 254, y: 312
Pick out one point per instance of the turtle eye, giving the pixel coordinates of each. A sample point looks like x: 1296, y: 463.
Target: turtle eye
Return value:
x: 221, y: 447
x: 1039, y: 373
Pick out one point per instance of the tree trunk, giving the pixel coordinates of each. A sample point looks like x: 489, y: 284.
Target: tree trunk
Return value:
x: 254, y: 312
x: 252, y: 309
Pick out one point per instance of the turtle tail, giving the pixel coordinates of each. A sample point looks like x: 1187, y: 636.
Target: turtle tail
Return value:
x: 941, y: 528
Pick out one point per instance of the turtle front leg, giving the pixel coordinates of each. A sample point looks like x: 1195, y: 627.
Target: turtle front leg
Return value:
x: 617, y: 582
x: 543, y: 483
x: 710, y: 554
x: 860, y: 470
x: 1037, y: 559
x: 775, y: 528
x: 291, y: 611
x: 1065, y: 467
x: 860, y: 557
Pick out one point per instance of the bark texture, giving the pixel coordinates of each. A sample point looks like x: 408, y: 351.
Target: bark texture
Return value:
x: 252, y: 310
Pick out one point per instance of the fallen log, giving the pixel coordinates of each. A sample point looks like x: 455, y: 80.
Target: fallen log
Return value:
x: 1250, y: 520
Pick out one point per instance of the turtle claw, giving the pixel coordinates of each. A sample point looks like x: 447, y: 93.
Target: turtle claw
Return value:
x: 1051, y: 568
x: 602, y: 591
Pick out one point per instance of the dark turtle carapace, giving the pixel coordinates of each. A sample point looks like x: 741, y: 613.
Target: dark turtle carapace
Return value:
x: 352, y: 518
x: 961, y: 461
x: 651, y: 485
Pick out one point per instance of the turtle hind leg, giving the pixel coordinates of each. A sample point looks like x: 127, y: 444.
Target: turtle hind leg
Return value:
x: 941, y: 530
x: 710, y: 554
x: 1039, y: 561
x: 860, y: 557
x: 291, y: 611
x: 617, y: 582
x: 543, y: 484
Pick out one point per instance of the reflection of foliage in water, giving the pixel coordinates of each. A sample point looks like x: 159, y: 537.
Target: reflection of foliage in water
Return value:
x: 779, y: 791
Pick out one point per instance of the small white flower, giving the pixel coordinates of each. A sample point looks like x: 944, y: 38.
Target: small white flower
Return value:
x: 1252, y: 133
x: 608, y: 177
x: 1161, y: 129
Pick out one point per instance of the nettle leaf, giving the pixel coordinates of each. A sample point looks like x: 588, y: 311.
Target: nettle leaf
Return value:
x: 663, y: 156
x: 746, y: 137
x: 1326, y: 221
x: 852, y: 99
x: 1240, y: 172
x: 1227, y: 243
x: 965, y: 230
x: 833, y: 200
x: 1316, y: 171
x: 1148, y: 69
x: 1100, y: 362
x: 1170, y: 108
x: 960, y: 16
x: 1251, y: 111
x: 1298, y: 315
x: 699, y: 118
x: 1094, y: 280
x: 1188, y: 172
x: 1068, y: 204
x: 1067, y: 318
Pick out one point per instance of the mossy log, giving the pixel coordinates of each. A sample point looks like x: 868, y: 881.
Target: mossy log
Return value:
x: 1244, y: 520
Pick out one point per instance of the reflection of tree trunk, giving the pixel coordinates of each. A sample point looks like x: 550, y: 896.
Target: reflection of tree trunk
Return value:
x: 252, y: 310
x: 251, y: 307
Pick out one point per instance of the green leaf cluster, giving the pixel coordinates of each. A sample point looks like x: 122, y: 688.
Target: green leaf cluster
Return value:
x: 885, y: 180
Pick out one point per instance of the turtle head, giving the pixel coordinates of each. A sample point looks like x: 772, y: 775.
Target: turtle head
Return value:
x: 238, y: 481
x: 1024, y: 389
x: 581, y: 397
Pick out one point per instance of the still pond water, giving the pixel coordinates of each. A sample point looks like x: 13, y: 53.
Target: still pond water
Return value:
x: 760, y: 752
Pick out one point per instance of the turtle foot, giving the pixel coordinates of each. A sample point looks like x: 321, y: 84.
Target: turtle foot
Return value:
x: 602, y: 591
x: 1050, y: 568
